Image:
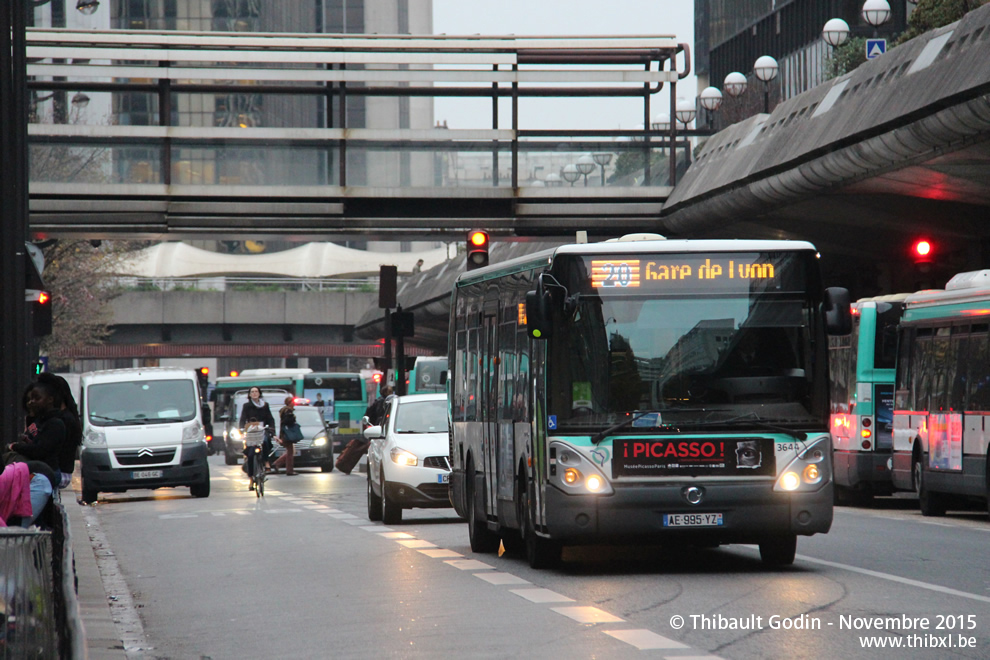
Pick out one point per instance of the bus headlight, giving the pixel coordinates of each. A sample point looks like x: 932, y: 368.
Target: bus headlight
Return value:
x: 575, y: 474
x: 809, y: 470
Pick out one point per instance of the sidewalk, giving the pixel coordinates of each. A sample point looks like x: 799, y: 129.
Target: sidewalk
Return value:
x: 102, y: 639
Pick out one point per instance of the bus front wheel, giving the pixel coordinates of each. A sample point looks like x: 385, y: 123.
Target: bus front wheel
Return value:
x: 540, y: 552
x: 779, y: 550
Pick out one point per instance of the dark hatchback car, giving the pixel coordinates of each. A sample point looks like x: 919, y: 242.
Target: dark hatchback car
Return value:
x: 316, y: 448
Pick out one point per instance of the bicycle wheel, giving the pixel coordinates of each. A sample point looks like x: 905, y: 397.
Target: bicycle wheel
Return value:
x: 259, y: 475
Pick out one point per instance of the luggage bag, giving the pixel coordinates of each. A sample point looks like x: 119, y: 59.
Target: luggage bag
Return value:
x: 352, y: 453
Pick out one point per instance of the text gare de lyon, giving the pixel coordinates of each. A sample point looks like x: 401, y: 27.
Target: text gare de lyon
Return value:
x: 629, y: 273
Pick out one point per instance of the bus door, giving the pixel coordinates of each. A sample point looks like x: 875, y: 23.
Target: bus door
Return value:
x: 489, y: 403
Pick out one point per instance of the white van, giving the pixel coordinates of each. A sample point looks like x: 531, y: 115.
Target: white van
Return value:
x: 142, y: 428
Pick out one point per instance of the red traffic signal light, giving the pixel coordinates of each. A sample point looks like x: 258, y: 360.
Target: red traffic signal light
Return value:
x: 477, y: 249
x: 205, y: 371
x: 376, y: 378
x: 40, y: 310
x: 922, y: 251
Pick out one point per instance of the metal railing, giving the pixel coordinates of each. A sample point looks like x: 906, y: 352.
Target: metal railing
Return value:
x: 226, y: 283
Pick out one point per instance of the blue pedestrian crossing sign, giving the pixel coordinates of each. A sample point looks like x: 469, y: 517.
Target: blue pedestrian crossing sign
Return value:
x: 875, y: 48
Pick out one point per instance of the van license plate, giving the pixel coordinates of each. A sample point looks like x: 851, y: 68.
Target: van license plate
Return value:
x: 692, y: 520
x: 443, y: 478
x: 147, y: 474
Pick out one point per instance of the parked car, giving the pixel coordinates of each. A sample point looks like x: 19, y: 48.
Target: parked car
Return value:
x: 142, y: 428
x: 315, y: 449
x: 408, y: 460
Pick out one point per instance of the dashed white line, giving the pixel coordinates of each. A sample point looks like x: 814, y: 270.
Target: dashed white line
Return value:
x: 397, y: 535
x: 586, y: 614
x: 415, y: 543
x: 468, y: 564
x: 541, y: 596
x: 441, y: 553
x: 501, y: 578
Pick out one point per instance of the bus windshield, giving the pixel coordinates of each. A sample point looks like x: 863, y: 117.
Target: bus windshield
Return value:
x: 714, y: 354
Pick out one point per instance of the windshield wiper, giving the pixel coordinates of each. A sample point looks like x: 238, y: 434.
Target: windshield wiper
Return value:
x: 756, y: 420
x: 107, y: 419
x: 621, y: 425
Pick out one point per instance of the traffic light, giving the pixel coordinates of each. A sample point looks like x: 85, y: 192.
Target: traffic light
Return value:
x: 204, y: 380
x: 922, y: 252
x: 477, y: 249
x: 40, y: 303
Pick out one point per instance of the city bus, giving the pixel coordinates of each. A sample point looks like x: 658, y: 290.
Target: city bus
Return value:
x: 861, y: 371
x: 643, y: 390
x: 942, y: 394
x: 344, y: 398
x: 428, y: 375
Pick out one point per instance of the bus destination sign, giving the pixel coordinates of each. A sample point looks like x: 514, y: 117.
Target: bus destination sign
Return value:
x: 649, y: 457
x: 619, y: 273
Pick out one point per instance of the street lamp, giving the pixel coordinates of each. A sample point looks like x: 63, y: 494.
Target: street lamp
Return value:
x: 585, y: 165
x: 876, y: 13
x: 553, y: 180
x: 602, y: 158
x: 685, y: 111
x: 765, y: 69
x: 570, y: 173
x: 835, y: 32
x: 80, y: 100
x: 734, y: 84
x: 711, y: 100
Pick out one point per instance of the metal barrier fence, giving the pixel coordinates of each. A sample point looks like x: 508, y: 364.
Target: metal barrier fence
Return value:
x: 27, y: 595
x: 39, y: 613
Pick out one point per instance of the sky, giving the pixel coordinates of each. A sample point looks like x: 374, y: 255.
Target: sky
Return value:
x: 572, y: 18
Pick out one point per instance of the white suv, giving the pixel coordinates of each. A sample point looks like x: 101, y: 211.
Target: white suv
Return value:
x: 408, y: 460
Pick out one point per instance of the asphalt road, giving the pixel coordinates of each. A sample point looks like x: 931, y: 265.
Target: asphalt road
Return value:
x: 302, y: 573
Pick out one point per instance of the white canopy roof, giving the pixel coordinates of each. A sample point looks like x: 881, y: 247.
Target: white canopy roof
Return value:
x: 311, y: 260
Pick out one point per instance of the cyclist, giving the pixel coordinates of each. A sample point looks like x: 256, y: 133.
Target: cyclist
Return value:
x: 256, y: 410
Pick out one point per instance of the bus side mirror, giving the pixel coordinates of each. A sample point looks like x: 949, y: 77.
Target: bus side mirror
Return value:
x: 538, y: 317
x: 838, y: 311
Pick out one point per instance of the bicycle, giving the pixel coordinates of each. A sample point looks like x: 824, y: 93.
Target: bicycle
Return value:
x: 254, y: 440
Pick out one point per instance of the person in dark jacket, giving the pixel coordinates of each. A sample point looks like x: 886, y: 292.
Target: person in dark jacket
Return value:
x: 46, y: 433
x: 286, y: 417
x: 376, y: 411
x: 69, y: 413
x: 256, y: 410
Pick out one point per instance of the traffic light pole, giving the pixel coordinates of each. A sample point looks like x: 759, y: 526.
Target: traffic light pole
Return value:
x: 13, y: 216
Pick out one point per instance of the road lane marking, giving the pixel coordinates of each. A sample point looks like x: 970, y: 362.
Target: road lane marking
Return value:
x: 646, y: 640
x: 376, y: 528
x: 356, y: 522
x: 415, y: 543
x: 468, y: 564
x: 586, y: 614
x: 896, y: 578
x: 342, y: 516
x: 541, y: 596
x: 397, y: 535
x: 441, y: 553
x: 501, y: 578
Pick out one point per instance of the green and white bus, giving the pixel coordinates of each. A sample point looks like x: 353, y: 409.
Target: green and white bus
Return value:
x: 942, y: 395
x: 861, y: 370
x: 644, y: 390
x: 428, y: 375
